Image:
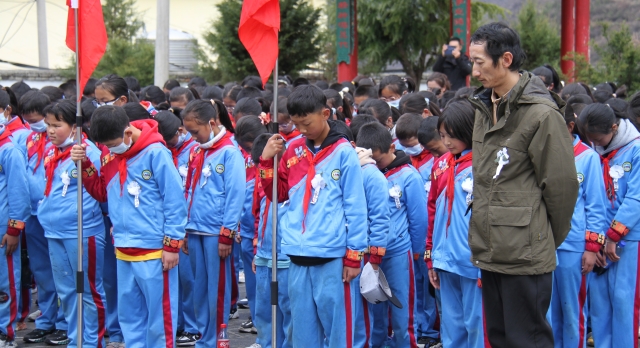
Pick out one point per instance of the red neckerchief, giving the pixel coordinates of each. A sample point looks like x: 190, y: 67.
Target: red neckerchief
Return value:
x: 148, y: 135
x: 416, y: 160
x: 14, y: 125
x: 608, y: 180
x: 51, y: 166
x: 195, y: 168
x: 265, y: 214
x: 452, y: 163
x: 4, y: 135
x: 311, y: 173
x: 175, y: 152
x: 39, y: 147
x: 288, y: 137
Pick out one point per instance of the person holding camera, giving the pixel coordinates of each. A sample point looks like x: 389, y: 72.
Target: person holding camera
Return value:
x: 454, y: 64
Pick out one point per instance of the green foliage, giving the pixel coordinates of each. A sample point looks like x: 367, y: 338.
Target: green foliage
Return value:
x: 121, y: 19
x: 619, y: 60
x: 409, y: 31
x: 539, y: 38
x: 124, y: 56
x: 299, y: 41
x: 482, y: 12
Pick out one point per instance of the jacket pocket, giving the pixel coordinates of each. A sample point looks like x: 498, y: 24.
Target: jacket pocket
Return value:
x: 510, y: 234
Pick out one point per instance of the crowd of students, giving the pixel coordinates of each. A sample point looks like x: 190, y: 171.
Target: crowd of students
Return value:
x: 177, y: 189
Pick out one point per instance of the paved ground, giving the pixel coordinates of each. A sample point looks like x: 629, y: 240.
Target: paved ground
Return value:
x: 237, y: 339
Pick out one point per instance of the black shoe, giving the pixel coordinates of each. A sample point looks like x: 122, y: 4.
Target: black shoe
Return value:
x: 58, y: 338
x: 429, y: 342
x: 37, y: 335
x: 243, y: 304
x: 187, y: 339
x: 246, y: 326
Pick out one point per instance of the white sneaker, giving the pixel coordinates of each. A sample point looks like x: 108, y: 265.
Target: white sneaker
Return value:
x: 234, y: 314
x: 34, y: 290
x: 115, y: 345
x: 255, y: 345
x: 33, y: 316
x: 241, y: 277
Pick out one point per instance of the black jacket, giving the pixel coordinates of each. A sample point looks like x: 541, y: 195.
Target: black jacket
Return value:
x: 456, y: 69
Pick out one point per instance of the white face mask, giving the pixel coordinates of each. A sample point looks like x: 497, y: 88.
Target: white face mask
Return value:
x: 67, y: 142
x: 181, y: 138
x: 39, y: 126
x: 4, y: 119
x: 395, y: 103
x: 414, y: 150
x: 209, y: 143
x: 122, y: 148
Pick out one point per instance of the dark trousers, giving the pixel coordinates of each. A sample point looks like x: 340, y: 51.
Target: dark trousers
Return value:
x: 515, y: 308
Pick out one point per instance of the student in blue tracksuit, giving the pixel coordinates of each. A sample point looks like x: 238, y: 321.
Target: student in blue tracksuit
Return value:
x: 615, y: 301
x: 407, y: 203
x: 577, y: 254
x: 180, y: 143
x: 50, y: 325
x: 320, y: 179
x: 14, y: 210
x: 448, y: 254
x: 59, y: 218
x: 14, y: 124
x: 247, y: 129
x: 215, y: 189
x: 422, y: 159
x: 148, y: 212
x: 263, y: 265
x: 375, y: 187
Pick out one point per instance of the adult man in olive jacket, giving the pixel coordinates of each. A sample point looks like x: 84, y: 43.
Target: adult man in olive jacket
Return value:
x: 525, y: 190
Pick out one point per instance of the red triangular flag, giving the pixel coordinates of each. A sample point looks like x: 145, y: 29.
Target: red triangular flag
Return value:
x: 92, y: 36
x: 258, y: 32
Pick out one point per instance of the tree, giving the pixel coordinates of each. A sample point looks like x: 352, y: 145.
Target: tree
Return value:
x: 409, y: 32
x: 539, y: 38
x: 299, y: 41
x: 125, y: 55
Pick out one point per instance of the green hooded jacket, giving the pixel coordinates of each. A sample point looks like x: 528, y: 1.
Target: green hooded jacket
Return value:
x: 523, y: 214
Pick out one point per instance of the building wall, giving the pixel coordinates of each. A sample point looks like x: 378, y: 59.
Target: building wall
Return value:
x: 191, y: 16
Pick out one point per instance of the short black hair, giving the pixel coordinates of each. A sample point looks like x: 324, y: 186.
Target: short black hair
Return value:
x: 407, y: 126
x: 153, y: 94
x: 249, y: 92
x: 358, y: 122
x: 378, y: 108
x: 33, y: 101
x: 132, y: 83
x: 300, y: 81
x: 168, y: 124
x: 499, y: 39
x: 428, y: 130
x: 248, y: 128
x: 258, y: 146
x: 136, y: 112
x: 457, y: 120
x: 305, y: 100
x: 602, y: 95
x: 87, y: 110
x: 171, y: 84
x: 341, y: 128
x: 117, y: 87
x: 374, y: 136
x: 108, y: 123
x: 212, y: 92
x: 69, y: 88
x: 63, y: 110
x: 322, y: 84
x: 181, y: 93
x: 20, y: 88
x: 197, y: 81
x: 54, y: 93
x: 252, y: 81
x: 90, y: 87
x: 455, y: 38
x: 397, y: 84
x: 247, y: 106
x: 366, y: 91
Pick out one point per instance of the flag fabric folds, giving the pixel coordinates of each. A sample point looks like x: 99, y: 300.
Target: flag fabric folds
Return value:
x: 92, y: 36
x: 258, y: 32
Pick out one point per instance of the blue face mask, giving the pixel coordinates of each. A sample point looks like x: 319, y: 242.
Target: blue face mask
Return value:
x: 67, y: 142
x: 39, y: 126
x: 395, y: 103
x: 122, y: 148
x: 414, y: 150
x: 181, y: 138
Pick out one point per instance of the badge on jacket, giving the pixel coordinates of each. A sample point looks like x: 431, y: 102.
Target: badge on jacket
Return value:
x: 134, y: 189
x: 502, y: 159
x: 317, y: 183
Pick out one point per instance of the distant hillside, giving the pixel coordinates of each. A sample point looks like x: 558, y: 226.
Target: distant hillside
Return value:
x: 613, y: 12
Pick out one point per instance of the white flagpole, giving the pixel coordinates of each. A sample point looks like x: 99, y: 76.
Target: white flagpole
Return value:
x: 274, y: 216
x: 80, y: 272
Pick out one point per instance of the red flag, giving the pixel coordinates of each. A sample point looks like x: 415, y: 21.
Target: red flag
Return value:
x: 258, y: 32
x: 92, y: 36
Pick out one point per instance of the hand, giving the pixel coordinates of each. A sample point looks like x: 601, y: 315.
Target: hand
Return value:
x: 433, y: 278
x: 253, y: 265
x: 238, y: 238
x: 79, y: 152
x: 185, y: 247
x: 274, y: 146
x: 588, y: 261
x: 11, y: 242
x: 224, y: 250
x: 169, y: 260
x: 444, y: 50
x: 610, y: 251
x: 456, y: 53
x: 348, y: 273
x: 601, y: 261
